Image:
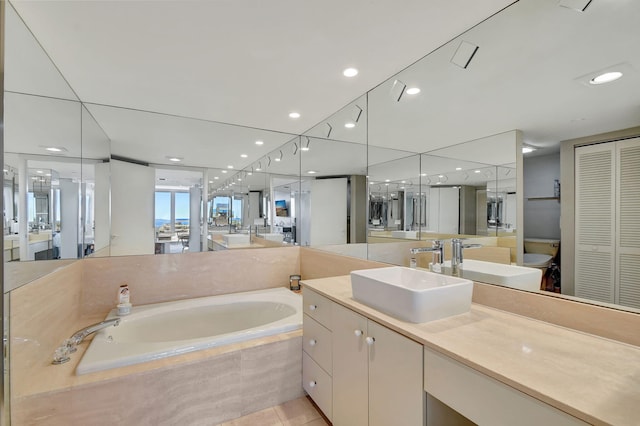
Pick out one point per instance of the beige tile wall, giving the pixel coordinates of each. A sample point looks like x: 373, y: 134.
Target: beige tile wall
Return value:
x: 154, y: 279
x: 322, y: 264
x: 610, y: 323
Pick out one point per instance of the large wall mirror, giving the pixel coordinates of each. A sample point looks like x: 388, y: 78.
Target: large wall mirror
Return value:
x: 435, y: 151
x: 506, y: 95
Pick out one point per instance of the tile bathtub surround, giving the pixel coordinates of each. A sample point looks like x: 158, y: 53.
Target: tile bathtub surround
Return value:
x: 203, y: 387
x: 43, y: 314
x: 154, y: 278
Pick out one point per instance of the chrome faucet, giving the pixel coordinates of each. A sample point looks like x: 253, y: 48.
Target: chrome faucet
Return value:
x: 61, y: 354
x: 456, y: 255
x: 437, y: 258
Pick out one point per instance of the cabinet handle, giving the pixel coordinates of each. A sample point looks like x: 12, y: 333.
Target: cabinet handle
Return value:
x: 312, y: 384
x: 370, y: 340
x: 358, y: 333
x: 313, y: 307
x: 312, y: 342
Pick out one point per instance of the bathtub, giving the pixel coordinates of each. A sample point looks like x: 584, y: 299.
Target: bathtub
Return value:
x: 173, y: 328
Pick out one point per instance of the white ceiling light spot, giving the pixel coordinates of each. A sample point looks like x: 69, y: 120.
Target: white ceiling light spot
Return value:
x: 259, y: 143
x: 606, y: 77
x: 413, y: 91
x: 476, y: 171
x: 55, y: 149
x: 350, y: 125
x: 423, y: 174
x: 312, y: 172
x: 277, y: 159
x: 527, y: 149
x: 229, y: 166
x: 39, y: 171
x: 224, y: 171
x: 458, y: 168
x: 294, y: 115
x: 174, y: 159
x: 350, y: 72
x: 243, y: 155
x: 216, y: 178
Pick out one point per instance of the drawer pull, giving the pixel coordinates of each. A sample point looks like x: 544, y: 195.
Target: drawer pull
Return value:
x: 313, y: 307
x: 370, y: 340
x: 358, y: 333
x: 312, y: 384
x: 312, y: 342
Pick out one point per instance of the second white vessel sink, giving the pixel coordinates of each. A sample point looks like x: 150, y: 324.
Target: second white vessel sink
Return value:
x: 518, y: 277
x: 236, y: 239
x: 412, y: 295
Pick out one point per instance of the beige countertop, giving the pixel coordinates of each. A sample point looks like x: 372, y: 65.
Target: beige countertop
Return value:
x: 594, y: 379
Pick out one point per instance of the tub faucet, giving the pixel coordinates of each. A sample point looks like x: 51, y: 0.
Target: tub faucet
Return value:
x: 437, y: 257
x: 457, y: 257
x: 61, y: 354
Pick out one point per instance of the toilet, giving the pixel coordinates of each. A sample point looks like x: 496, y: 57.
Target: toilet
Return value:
x: 539, y: 253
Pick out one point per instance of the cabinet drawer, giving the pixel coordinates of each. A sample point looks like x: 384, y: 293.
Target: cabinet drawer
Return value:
x: 316, y: 342
x: 317, y: 383
x: 483, y: 399
x: 317, y: 307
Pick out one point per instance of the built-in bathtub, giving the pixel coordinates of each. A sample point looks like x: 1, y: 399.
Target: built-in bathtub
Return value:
x: 172, y: 328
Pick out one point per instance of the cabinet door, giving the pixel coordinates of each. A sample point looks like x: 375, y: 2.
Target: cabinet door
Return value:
x: 350, y: 375
x: 396, y: 395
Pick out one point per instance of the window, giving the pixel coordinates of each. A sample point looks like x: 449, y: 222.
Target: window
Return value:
x: 163, y: 212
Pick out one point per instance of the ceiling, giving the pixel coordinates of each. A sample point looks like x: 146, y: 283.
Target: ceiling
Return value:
x: 203, y: 80
x: 241, y: 62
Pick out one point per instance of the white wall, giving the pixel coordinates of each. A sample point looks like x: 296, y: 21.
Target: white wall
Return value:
x: 541, y: 217
x: 102, y: 205
x: 444, y: 210
x: 132, y: 208
x: 70, y: 218
x: 328, y: 207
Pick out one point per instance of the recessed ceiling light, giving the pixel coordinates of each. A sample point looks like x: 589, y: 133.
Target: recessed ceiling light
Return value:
x: 294, y: 114
x: 527, y: 149
x: 413, y: 91
x: 55, y: 149
x: 229, y: 167
x: 39, y: 171
x: 47, y: 174
x: 350, y: 125
x: 249, y: 173
x: 259, y: 143
x: 243, y: 155
x: 476, y: 171
x: 277, y: 159
x: 312, y: 172
x: 458, y: 168
x: 440, y: 176
x: 402, y: 187
x: 216, y: 177
x: 304, y: 148
x: 423, y: 174
x: 210, y: 181
x: 350, y: 72
x: 607, y: 77
x: 258, y: 169
x: 224, y: 171
x: 174, y: 159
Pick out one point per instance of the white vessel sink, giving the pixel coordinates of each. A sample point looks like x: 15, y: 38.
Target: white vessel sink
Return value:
x: 518, y: 277
x: 405, y: 234
x: 412, y: 295
x: 272, y: 236
x: 236, y: 239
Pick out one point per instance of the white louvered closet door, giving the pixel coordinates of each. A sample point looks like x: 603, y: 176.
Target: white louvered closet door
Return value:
x: 628, y: 223
x: 595, y: 201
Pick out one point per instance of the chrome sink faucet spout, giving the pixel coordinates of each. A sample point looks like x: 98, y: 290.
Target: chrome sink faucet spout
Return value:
x: 437, y: 254
x: 456, y: 255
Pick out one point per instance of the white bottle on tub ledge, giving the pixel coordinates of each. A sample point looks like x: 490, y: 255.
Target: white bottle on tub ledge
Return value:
x: 124, y: 305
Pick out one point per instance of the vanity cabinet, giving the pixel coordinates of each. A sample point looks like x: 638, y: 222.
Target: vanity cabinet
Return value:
x: 483, y: 399
x: 371, y: 376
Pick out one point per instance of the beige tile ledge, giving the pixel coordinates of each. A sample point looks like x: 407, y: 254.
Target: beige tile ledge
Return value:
x: 592, y: 378
x: 45, y: 377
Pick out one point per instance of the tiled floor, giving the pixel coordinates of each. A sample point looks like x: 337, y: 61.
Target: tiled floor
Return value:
x: 296, y: 412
